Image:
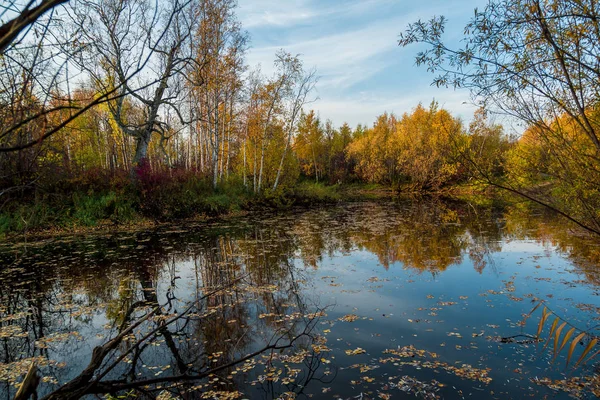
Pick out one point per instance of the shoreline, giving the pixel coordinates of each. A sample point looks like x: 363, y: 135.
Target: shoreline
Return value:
x: 338, y: 194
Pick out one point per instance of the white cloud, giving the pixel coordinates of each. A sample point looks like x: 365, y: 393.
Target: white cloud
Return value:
x: 287, y: 13
x: 354, y: 49
x: 275, y: 13
x: 341, y: 59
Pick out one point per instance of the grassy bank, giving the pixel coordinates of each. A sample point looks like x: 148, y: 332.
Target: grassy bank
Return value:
x: 103, y: 202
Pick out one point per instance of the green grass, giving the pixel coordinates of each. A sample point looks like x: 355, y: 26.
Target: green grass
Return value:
x: 308, y: 193
x: 174, y: 199
x: 90, y: 209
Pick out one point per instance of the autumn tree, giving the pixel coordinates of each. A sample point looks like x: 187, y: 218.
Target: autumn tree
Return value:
x: 372, y: 152
x: 273, y: 109
x: 262, y: 152
x: 266, y: 102
x: 537, y: 62
x: 340, y: 168
x: 122, y: 37
x: 37, y: 57
x: 488, y: 147
x: 426, y: 141
x: 551, y: 168
x: 300, y: 86
x: 419, y: 149
x: 321, y: 149
x: 219, y: 46
x: 309, y: 145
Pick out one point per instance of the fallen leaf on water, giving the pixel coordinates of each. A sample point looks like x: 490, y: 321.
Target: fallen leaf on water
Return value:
x: 349, y: 318
x: 356, y: 351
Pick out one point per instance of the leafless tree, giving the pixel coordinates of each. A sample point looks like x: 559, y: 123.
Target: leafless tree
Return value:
x: 301, y: 85
x: 119, y: 37
x: 22, y: 18
x: 221, y: 43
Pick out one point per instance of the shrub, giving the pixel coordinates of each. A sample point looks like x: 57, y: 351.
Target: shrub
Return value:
x: 218, y: 204
x: 310, y: 193
x: 89, y: 209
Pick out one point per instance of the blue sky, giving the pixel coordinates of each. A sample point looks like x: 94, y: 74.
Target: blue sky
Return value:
x: 353, y: 45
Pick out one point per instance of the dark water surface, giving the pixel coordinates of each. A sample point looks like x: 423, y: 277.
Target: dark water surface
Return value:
x: 379, y: 299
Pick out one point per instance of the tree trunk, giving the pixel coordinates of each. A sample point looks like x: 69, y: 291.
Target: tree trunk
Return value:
x: 244, y: 151
x: 254, y: 165
x: 229, y: 137
x: 262, y: 163
x: 315, y: 162
x: 215, y: 164
x: 287, y: 144
x: 141, y: 149
x: 216, y: 143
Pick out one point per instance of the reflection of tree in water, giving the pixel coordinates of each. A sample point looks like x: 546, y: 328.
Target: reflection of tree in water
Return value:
x: 127, y: 278
x: 426, y: 236
x: 38, y: 309
x: 226, y: 329
x: 80, y: 285
x: 484, y: 227
x: 322, y: 232
x: 532, y: 223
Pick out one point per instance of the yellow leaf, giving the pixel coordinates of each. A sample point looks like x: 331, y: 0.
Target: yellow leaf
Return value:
x: 545, y: 315
x: 551, y: 333
x: 354, y: 352
x: 531, y: 312
x: 592, y: 356
x: 587, y: 349
x: 557, y: 336
x: 566, y: 338
x: 572, y: 347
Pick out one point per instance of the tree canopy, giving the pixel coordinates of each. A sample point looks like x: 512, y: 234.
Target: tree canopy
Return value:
x: 536, y: 61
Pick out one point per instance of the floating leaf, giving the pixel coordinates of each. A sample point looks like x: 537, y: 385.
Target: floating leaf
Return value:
x: 349, y: 318
x: 354, y: 352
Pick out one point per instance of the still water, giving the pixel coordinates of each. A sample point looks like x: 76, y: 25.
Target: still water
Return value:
x: 367, y: 300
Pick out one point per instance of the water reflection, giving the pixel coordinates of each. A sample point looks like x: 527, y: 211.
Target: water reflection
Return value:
x: 62, y: 298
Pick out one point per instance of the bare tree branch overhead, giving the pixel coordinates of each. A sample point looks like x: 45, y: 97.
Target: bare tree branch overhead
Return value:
x: 536, y: 62
x: 27, y: 15
x: 241, y: 199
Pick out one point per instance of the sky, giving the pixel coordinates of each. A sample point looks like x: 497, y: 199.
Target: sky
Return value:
x: 353, y: 46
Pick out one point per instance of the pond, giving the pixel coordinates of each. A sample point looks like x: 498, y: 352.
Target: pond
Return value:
x: 364, y: 300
